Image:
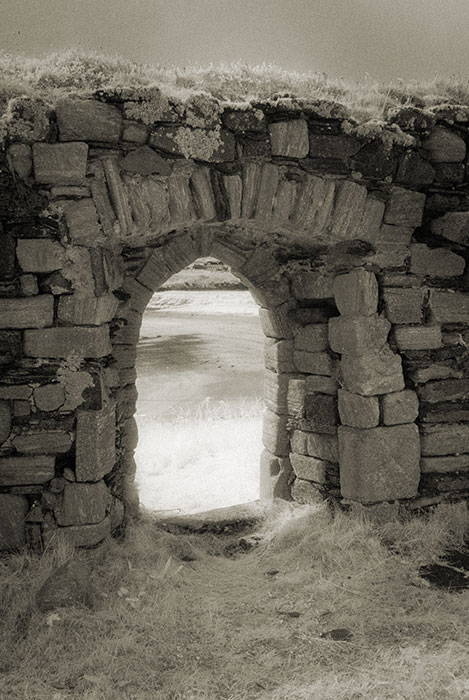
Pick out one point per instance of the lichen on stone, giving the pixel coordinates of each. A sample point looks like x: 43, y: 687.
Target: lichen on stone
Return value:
x: 203, y: 111
x: 390, y: 134
x: 74, y: 381
x: 199, y: 144
x: 146, y: 105
x: 26, y: 119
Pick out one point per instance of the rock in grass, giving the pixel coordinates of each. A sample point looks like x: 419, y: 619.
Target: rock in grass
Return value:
x: 69, y: 584
x: 340, y: 634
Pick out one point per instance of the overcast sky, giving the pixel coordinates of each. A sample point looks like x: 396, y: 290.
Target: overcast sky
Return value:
x: 385, y: 38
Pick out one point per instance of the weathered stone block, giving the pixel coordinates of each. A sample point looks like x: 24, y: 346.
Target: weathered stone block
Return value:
x: 28, y: 285
x: 356, y: 293
x: 417, y: 337
x: 43, y: 443
x: 119, y: 195
x: 289, y: 138
x: 435, y: 262
x: 357, y: 335
x: 234, y: 191
x: 309, y: 468
x: 13, y: 511
x: 49, y: 397
x: 79, y: 535
x: 140, y: 295
x: 405, y: 208
x: 320, y: 384
x: 284, y: 204
x: 320, y: 445
x: 274, y: 434
x: 445, y: 439
x: 40, y: 255
x: 358, y: 411
x: 83, y: 504
x: 60, y: 163
x: 313, y: 285
x: 134, y: 132
x: 31, y: 469
x: 145, y: 161
x: 333, y: 146
x: 321, y: 411
x: 400, y: 407
x: 372, y: 373
x: 21, y: 408
x: 445, y: 390
x: 87, y: 120
x: 268, y: 185
x: 61, y: 342
x: 296, y: 392
x: 396, y: 235
x: 348, y: 211
x: 445, y: 146
x: 313, y: 362
x: 86, y: 309
x: 389, y: 255
x: 306, y: 493
x: 5, y: 421
x: 203, y: 194
x: 453, y: 463
x: 180, y: 252
x: 421, y: 375
x: 414, y: 171
x: 379, y: 464
x: 27, y: 312
x: 449, y: 307
x: 278, y: 355
x: 20, y: 392
x: 314, y: 206
x: 313, y: 337
x: 403, y: 305
x: 276, y: 323
x: 454, y: 225
x: 95, y: 443
x: 242, y: 122
x: 370, y: 224
x: 82, y: 221
x: 449, y: 173
x: 20, y: 159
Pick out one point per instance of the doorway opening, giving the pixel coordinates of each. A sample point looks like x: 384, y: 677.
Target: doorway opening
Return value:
x: 200, y: 374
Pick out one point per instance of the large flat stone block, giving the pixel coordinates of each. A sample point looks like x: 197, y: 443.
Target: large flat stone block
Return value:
x: 313, y: 285
x: 60, y: 163
x: 82, y: 222
x: 435, y: 262
x: 13, y: 511
x: 454, y: 225
x: 348, y: 211
x: 86, y: 309
x: 356, y: 293
x: 405, y: 208
x: 445, y: 439
x: 61, y: 342
x: 95, y: 443
x: 418, y: 337
x: 313, y: 337
x: 379, y: 464
x: 87, y: 120
x: 318, y: 445
x: 372, y: 373
x: 79, y: 535
x: 313, y: 362
x: 403, y: 305
x: 358, y: 411
x: 445, y: 390
x: 449, y: 307
x: 31, y: 469
x: 309, y: 468
x: 43, y: 443
x: 400, y: 407
x: 358, y: 335
x: 83, y: 504
x: 27, y: 312
x: 40, y: 255
x: 289, y: 138
x: 445, y: 146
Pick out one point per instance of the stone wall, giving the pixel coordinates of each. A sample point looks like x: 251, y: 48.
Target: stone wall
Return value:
x: 354, y: 245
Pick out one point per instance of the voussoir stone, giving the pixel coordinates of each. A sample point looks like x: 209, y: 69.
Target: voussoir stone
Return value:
x: 379, y: 464
x: 358, y: 411
x: 60, y: 163
x: 357, y: 335
x: 87, y: 120
x: 61, y: 342
x: 83, y: 504
x: 356, y: 293
x: 289, y: 138
x: 40, y: 255
x: 372, y: 373
x: 435, y: 262
x: 445, y: 146
x: 13, y: 511
x: 27, y: 312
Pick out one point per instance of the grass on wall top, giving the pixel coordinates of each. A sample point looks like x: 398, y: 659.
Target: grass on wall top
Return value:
x: 76, y: 71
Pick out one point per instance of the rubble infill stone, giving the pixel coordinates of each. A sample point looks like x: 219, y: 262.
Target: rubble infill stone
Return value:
x: 79, y: 535
x: 34, y: 469
x: 444, y: 439
x: 445, y: 146
x: 453, y: 225
x: 453, y: 463
x: 95, y: 443
x: 435, y: 262
x: 289, y: 138
x: 5, y: 421
x: 379, y: 464
x: 61, y: 342
x: 15, y: 392
x: 357, y: 335
x: 49, y: 397
x: 417, y: 337
x: 405, y: 208
x: 372, y: 373
x: 83, y: 504
x: 60, y: 163
x: 358, y: 411
x: 87, y: 120
x: 40, y: 255
x: 309, y: 468
x: 400, y: 407
x: 403, y: 305
x: 43, y: 443
x: 145, y: 161
x: 13, y: 511
x: 356, y: 293
x: 445, y: 390
x: 28, y: 312
x: 449, y: 307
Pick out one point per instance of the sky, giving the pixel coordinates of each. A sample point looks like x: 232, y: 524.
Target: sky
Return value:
x: 353, y: 39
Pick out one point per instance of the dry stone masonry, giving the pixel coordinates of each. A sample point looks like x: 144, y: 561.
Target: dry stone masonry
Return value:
x: 354, y: 245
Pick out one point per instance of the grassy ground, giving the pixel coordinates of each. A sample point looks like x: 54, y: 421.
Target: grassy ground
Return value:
x: 178, y: 619
x: 75, y: 71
